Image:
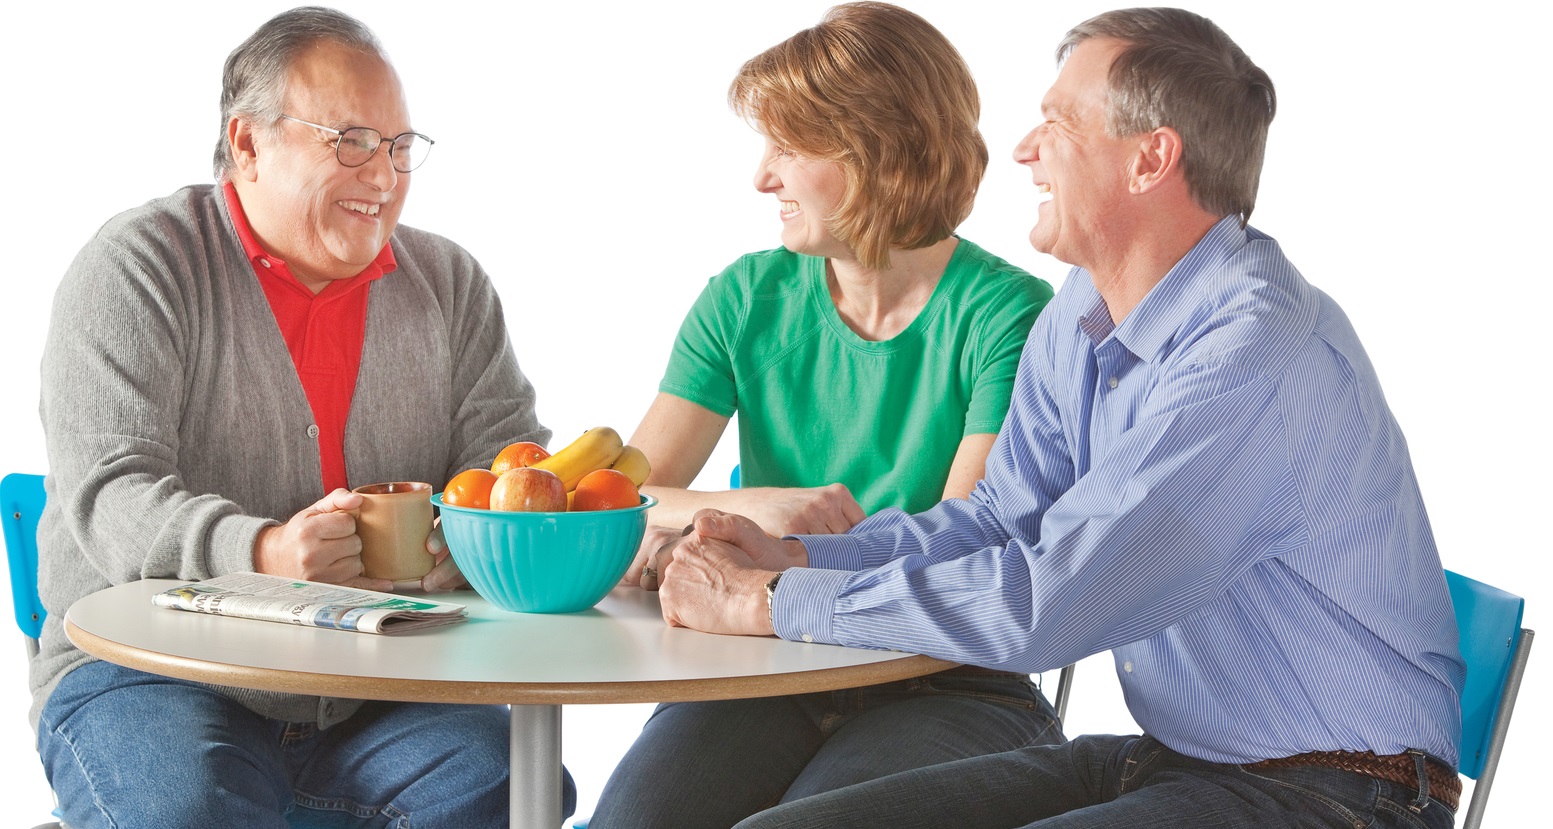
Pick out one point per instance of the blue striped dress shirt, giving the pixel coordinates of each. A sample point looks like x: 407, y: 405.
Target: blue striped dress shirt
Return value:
x: 1215, y: 491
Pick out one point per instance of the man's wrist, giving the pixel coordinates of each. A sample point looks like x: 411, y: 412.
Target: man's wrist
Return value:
x: 263, y: 561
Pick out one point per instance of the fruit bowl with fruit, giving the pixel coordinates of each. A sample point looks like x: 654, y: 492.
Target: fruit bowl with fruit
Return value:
x: 548, y: 534
x: 543, y: 562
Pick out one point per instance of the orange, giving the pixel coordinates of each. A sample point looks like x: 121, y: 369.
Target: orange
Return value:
x: 520, y: 454
x: 605, y: 489
x: 470, y: 488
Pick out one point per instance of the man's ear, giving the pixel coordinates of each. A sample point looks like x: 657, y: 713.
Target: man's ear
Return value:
x: 1158, y: 160
x: 245, y: 153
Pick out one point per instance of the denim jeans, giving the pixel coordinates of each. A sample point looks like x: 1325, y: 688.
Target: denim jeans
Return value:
x: 124, y: 748
x: 1109, y: 782
x: 711, y: 764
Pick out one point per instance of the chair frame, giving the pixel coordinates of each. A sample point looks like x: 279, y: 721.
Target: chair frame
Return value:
x: 21, y: 500
x: 1512, y: 689
x: 1484, y: 614
x: 21, y: 503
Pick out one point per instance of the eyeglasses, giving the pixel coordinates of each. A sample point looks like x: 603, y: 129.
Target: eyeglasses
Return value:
x: 355, y: 146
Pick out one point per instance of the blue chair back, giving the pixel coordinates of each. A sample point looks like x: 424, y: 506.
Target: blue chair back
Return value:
x: 21, y: 502
x: 1495, y: 648
x: 1489, y: 620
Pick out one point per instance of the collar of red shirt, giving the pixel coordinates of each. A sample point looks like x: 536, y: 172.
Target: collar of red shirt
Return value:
x: 264, y: 262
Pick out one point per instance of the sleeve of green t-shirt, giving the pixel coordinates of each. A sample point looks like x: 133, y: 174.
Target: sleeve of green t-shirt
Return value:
x: 1007, y: 325
x: 700, y: 365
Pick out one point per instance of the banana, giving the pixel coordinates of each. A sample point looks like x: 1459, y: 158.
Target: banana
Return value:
x: 633, y: 463
x: 596, y: 449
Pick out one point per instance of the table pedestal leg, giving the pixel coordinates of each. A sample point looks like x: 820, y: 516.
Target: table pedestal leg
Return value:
x: 536, y: 767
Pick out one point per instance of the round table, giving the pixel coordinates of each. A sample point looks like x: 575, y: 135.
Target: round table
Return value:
x: 618, y: 652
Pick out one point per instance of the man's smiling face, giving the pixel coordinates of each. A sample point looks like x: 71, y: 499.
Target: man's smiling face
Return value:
x: 1072, y: 158
x: 328, y: 221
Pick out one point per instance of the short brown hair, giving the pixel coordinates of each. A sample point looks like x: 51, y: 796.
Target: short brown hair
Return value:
x: 1178, y: 69
x: 878, y: 90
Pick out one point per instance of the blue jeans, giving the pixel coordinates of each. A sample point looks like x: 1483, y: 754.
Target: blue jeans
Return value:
x: 124, y: 748
x: 1108, y: 782
x: 711, y: 764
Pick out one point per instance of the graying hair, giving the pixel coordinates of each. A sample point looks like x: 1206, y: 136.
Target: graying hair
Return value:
x: 1178, y: 69
x: 253, y: 83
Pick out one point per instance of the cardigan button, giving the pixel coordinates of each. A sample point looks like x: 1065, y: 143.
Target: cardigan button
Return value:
x: 312, y: 431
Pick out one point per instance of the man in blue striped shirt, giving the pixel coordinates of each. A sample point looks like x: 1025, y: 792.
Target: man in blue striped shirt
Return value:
x: 1198, y: 472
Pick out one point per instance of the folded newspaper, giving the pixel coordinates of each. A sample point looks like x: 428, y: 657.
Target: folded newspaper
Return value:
x: 276, y: 599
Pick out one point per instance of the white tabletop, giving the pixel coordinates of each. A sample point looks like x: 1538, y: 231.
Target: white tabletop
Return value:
x: 620, y: 651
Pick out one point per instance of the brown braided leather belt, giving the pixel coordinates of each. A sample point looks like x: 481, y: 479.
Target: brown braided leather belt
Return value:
x: 1444, y: 784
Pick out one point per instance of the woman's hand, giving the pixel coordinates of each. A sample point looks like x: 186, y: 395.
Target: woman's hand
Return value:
x: 657, y: 538
x: 795, y: 511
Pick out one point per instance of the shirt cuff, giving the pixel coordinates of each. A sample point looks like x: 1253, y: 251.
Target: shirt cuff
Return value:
x: 804, y: 604
x: 864, y: 547
x: 232, y: 541
x: 832, y: 552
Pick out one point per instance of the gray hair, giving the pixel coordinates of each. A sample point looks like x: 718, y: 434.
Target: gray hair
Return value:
x: 1178, y: 69
x: 253, y: 83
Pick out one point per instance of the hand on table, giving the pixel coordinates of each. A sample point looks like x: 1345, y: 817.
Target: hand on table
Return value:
x: 714, y: 579
x: 713, y: 586
x: 763, y: 550
x: 317, y: 544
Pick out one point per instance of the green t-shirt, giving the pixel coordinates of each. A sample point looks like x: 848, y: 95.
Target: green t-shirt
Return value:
x: 817, y: 404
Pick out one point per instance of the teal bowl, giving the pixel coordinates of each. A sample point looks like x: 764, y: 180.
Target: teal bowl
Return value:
x: 543, y: 562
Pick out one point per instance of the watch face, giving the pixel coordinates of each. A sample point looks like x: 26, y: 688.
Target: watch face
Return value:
x: 771, y: 596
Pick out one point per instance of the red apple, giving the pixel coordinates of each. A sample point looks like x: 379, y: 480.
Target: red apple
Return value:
x: 527, y: 489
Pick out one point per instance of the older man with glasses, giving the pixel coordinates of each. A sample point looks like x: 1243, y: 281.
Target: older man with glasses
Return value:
x: 222, y: 365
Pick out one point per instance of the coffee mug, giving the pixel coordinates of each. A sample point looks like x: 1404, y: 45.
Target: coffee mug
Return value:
x: 393, y: 523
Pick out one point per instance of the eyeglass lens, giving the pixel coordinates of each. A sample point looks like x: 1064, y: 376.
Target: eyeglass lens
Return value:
x: 358, y: 144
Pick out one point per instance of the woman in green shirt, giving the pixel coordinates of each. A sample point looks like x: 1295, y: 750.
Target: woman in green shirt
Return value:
x: 870, y: 361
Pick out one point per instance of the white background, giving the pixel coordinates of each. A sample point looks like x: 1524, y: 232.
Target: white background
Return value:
x: 586, y: 156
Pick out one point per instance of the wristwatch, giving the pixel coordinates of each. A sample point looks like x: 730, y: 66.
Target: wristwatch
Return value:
x: 771, y: 598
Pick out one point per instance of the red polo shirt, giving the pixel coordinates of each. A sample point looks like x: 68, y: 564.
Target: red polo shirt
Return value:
x: 323, y: 332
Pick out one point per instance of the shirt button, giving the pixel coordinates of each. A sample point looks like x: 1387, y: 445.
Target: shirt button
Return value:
x: 1113, y: 382
x: 1127, y: 666
x: 312, y: 431
x: 264, y: 262
x: 808, y: 638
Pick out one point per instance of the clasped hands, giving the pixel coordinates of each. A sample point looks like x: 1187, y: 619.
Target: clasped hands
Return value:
x: 320, y: 544
x: 711, y: 575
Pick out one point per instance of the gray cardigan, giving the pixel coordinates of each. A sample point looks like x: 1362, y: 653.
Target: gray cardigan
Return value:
x: 177, y: 427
